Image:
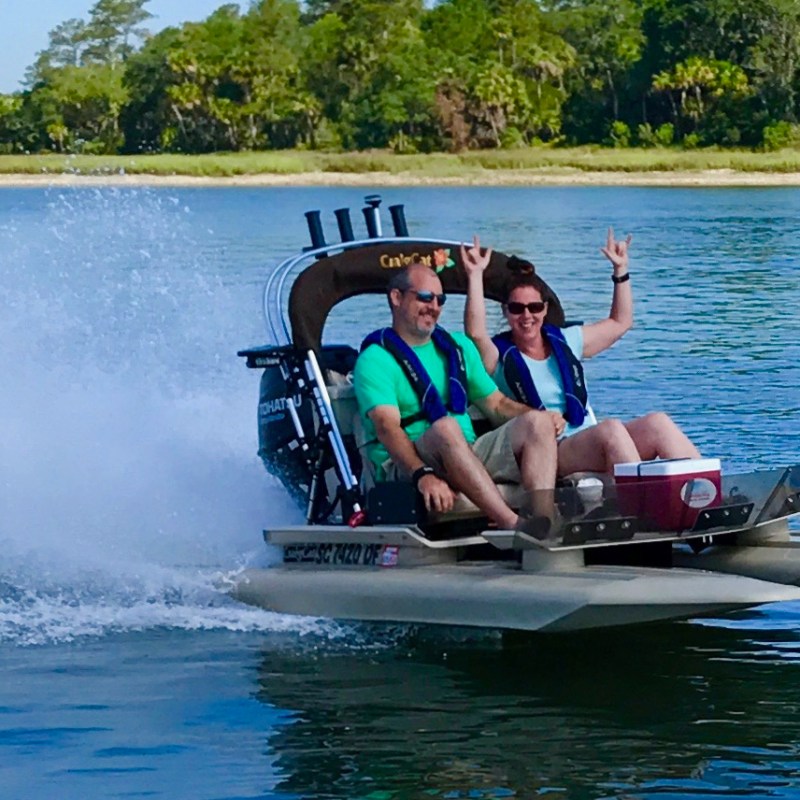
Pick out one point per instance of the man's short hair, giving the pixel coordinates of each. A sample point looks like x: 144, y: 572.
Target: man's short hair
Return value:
x: 401, y: 278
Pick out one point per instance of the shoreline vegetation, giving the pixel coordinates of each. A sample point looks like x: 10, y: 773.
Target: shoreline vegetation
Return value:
x: 579, y: 166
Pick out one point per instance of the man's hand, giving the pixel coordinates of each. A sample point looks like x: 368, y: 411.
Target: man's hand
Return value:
x: 617, y: 251
x: 437, y: 493
x: 474, y: 262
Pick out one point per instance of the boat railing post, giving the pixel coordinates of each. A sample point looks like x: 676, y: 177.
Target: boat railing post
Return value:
x: 296, y: 385
x: 328, y: 422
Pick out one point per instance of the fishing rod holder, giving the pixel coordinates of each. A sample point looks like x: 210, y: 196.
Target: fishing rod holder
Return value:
x: 345, y: 225
x: 315, y: 231
x: 372, y: 216
x: 399, y: 220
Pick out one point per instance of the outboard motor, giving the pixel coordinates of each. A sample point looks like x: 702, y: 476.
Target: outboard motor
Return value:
x: 279, y: 446
x: 299, y: 440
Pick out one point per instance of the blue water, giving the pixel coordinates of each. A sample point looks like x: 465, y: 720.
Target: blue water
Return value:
x: 130, y: 494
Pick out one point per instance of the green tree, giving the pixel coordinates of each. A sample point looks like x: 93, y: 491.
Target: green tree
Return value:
x: 501, y: 71
x: 230, y: 82
x: 11, y: 122
x: 201, y: 91
x: 147, y: 76
x: 87, y: 102
x: 774, y: 60
x: 608, y: 41
x: 699, y: 89
x: 539, y: 57
x: 366, y: 64
x: 712, y: 30
x: 66, y: 44
x: 275, y: 109
x: 113, y: 27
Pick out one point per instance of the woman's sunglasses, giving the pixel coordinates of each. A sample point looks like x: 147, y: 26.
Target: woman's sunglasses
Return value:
x: 518, y: 308
x: 429, y: 297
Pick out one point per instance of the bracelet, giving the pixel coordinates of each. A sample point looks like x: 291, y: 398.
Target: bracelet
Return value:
x: 420, y: 473
x: 621, y: 278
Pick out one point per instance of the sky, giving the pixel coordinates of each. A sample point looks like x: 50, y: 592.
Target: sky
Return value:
x: 24, y: 27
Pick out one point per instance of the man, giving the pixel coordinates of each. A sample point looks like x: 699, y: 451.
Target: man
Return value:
x: 438, y: 450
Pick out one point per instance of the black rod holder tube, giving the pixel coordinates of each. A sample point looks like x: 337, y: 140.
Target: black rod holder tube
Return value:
x: 345, y: 226
x: 399, y: 220
x: 371, y: 215
x: 372, y: 225
x: 315, y: 229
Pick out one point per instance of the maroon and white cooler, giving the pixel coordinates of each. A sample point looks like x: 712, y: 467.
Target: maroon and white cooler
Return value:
x: 668, y: 493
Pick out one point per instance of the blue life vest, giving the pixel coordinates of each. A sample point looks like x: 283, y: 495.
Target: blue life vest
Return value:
x: 520, y: 381
x: 433, y: 407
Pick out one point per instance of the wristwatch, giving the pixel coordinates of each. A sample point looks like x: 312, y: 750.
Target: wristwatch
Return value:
x: 621, y: 278
x: 420, y: 473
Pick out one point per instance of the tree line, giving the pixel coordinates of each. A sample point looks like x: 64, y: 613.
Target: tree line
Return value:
x: 400, y: 74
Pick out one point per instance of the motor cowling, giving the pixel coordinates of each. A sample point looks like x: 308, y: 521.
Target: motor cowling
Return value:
x: 282, y: 450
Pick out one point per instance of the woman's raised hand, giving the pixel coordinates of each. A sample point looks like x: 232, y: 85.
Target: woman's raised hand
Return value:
x: 474, y: 261
x: 616, y: 251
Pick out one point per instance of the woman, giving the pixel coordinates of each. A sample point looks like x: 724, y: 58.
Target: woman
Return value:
x: 541, y: 364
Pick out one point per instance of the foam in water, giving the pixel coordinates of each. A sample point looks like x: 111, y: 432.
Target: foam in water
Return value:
x: 128, y: 473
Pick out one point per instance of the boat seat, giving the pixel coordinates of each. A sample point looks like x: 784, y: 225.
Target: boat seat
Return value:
x: 345, y: 408
x: 344, y: 404
x: 512, y: 493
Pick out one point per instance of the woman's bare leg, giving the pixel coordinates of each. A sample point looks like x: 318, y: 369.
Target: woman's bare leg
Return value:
x: 597, y: 449
x: 657, y: 436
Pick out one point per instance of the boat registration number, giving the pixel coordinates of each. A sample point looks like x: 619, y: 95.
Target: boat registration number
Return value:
x: 350, y: 553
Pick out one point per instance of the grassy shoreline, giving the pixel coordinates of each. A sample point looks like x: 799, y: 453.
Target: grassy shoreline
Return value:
x: 531, y: 166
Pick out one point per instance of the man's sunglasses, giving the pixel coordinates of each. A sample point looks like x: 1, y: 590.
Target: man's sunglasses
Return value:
x: 429, y: 297
x: 518, y: 308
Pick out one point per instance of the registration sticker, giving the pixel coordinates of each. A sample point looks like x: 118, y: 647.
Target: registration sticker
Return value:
x: 389, y: 555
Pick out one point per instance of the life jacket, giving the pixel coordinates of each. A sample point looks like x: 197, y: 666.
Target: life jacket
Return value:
x: 433, y: 407
x: 520, y: 381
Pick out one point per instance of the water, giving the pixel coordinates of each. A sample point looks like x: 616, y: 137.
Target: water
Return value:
x: 131, y: 493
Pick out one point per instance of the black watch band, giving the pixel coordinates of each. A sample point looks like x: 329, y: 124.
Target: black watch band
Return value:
x: 418, y: 474
x: 621, y: 278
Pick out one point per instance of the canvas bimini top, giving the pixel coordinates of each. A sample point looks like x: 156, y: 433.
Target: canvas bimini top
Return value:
x: 353, y: 267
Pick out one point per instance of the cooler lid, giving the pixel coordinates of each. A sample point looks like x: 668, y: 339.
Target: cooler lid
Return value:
x: 666, y: 466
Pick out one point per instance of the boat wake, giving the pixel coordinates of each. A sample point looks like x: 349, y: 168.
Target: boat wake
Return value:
x: 130, y: 486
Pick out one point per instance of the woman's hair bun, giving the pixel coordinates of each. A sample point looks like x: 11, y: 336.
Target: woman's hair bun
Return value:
x: 520, y: 267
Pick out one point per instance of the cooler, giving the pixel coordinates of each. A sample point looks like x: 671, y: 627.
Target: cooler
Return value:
x: 668, y: 493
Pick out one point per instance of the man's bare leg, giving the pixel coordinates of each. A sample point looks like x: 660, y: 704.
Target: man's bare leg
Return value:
x: 597, y: 449
x: 464, y: 471
x: 534, y: 444
x: 657, y: 436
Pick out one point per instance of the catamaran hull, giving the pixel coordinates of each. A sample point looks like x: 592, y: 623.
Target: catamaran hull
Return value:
x: 769, y: 554
x: 494, y: 596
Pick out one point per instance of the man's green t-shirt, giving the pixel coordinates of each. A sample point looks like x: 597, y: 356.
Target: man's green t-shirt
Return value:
x: 380, y: 381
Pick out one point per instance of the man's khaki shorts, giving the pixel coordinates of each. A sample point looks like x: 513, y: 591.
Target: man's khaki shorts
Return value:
x: 493, y: 450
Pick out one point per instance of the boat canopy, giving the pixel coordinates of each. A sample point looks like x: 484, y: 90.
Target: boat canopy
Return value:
x: 366, y: 269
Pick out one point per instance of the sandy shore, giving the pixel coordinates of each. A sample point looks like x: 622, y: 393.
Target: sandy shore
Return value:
x: 722, y: 177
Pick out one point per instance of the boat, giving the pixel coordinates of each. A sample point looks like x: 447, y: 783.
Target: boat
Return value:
x: 622, y: 551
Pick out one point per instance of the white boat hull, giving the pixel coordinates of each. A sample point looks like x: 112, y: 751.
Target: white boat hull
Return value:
x: 496, y: 595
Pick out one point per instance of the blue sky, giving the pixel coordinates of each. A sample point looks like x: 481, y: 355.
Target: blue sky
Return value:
x: 24, y: 27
